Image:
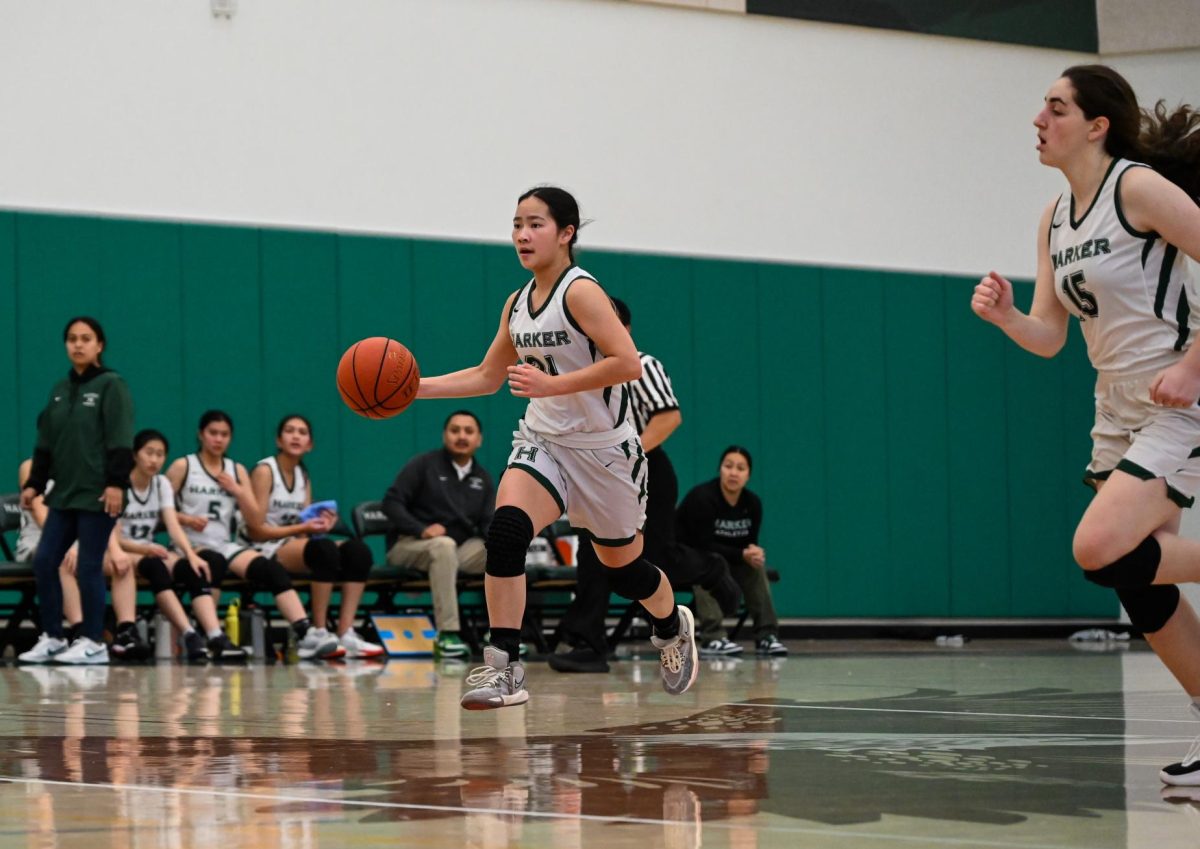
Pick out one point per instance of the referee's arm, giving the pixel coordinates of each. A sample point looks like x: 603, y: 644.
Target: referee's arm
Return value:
x: 657, y: 400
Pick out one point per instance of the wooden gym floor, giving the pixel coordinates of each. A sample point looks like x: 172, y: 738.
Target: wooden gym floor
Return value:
x: 843, y: 744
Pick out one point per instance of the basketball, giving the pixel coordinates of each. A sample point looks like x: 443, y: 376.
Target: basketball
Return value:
x: 378, y: 377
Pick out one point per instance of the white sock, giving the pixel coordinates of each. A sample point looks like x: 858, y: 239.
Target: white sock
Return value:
x: 213, y: 634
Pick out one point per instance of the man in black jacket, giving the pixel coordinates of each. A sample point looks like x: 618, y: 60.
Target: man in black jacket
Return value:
x: 440, y: 506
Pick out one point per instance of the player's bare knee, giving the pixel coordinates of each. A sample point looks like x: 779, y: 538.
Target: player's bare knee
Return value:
x: 1094, y: 547
x: 1136, y: 567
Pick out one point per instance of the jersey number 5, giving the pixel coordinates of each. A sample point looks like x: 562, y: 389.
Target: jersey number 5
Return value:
x: 1084, y: 301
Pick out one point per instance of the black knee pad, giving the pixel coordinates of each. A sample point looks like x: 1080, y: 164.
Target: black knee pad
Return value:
x: 218, y: 567
x: 635, y: 581
x: 356, y: 560
x: 508, y: 539
x: 1149, y: 608
x: 268, y: 574
x: 155, y: 572
x: 1135, y: 569
x: 185, y: 576
x: 321, y: 558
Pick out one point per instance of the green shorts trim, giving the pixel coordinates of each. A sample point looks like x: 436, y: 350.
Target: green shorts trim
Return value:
x: 544, y: 481
x: 1140, y: 473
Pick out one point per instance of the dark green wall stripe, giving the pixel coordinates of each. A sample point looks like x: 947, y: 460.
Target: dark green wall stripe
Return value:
x: 911, y: 460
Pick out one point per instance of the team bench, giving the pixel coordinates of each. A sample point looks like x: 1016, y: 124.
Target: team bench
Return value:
x: 391, y: 588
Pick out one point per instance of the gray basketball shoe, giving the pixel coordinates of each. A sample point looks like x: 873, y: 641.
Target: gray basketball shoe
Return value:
x: 679, y: 655
x: 496, y: 684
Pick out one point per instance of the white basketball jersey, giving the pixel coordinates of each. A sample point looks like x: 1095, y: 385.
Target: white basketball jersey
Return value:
x: 144, y: 509
x: 201, y: 495
x: 284, y: 504
x: 550, y: 339
x: 1132, y: 292
x: 30, y: 533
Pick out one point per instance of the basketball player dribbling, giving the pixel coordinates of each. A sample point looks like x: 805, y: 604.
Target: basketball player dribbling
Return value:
x: 561, y: 345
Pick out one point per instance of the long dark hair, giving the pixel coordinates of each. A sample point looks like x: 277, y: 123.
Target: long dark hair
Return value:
x: 563, y: 209
x: 1167, y: 140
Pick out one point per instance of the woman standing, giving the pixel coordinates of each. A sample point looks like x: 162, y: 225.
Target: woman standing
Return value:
x: 575, y: 451
x: 724, y: 517
x: 1111, y: 252
x: 84, y: 434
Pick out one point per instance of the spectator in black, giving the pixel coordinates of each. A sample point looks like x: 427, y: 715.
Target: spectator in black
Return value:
x: 656, y: 414
x: 83, y: 440
x: 440, y: 506
x: 724, y: 517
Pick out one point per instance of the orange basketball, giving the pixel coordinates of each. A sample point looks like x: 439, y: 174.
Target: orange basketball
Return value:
x: 378, y: 377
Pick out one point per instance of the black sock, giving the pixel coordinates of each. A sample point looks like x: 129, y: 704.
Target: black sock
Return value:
x: 667, y: 628
x: 508, y: 640
x: 300, y: 628
x: 125, y: 627
x: 71, y: 633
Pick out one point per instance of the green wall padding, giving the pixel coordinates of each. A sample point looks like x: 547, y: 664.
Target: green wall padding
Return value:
x: 911, y: 460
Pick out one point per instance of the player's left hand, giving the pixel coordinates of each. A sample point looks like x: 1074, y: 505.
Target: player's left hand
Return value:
x: 754, y: 556
x: 113, y: 499
x: 528, y: 381
x: 121, y: 563
x: 229, y: 483
x: 200, y: 566
x: 1177, y: 386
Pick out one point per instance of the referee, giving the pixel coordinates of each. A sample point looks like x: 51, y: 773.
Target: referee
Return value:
x: 656, y: 415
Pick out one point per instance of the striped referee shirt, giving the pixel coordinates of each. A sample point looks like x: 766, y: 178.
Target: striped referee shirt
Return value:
x: 651, y: 393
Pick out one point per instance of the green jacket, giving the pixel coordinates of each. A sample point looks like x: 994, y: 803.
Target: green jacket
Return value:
x: 85, y: 438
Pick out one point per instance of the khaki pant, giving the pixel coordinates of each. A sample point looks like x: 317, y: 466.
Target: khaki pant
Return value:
x: 756, y: 590
x: 442, y: 558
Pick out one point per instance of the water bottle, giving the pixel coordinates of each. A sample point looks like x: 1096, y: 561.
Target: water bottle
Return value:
x: 164, y: 648
x: 258, y: 632
x: 232, y: 624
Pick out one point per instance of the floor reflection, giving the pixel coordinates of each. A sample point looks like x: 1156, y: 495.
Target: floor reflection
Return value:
x: 286, y: 756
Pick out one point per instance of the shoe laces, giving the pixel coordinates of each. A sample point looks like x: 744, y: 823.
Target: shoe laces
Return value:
x: 486, y: 676
x: 672, y: 657
x: 1193, y: 754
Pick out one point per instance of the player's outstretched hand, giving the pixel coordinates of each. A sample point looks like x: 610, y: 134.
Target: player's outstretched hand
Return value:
x: 993, y: 299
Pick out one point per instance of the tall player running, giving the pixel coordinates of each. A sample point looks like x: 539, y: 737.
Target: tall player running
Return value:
x: 1111, y: 251
x: 561, y: 345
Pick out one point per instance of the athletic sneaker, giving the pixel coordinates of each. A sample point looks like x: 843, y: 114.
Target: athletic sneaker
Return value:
x: 224, y: 650
x: 319, y: 643
x: 128, y: 646
x: 1185, y: 773
x: 497, y: 684
x: 45, y: 650
x: 720, y: 648
x: 678, y: 655
x: 449, y: 645
x: 770, y: 647
x: 193, y: 646
x: 356, y: 646
x: 82, y: 652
